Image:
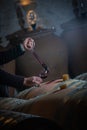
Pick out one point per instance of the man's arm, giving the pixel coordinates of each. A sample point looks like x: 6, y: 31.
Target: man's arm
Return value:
x: 11, y: 80
x: 11, y: 54
x: 17, y: 81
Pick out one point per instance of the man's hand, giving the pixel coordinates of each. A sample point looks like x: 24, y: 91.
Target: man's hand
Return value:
x: 31, y: 81
x: 29, y: 44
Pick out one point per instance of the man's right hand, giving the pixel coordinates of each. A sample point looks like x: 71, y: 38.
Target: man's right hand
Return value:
x: 31, y: 81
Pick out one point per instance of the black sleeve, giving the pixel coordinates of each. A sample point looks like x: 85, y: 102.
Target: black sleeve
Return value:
x: 11, y: 80
x: 13, y: 53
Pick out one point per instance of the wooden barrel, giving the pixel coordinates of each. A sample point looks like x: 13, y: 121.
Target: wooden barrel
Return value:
x: 65, y: 106
x: 34, y: 94
x: 48, y: 87
x: 10, y: 120
x: 44, y: 88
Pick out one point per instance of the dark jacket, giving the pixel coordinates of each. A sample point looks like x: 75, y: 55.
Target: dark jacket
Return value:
x: 7, y: 79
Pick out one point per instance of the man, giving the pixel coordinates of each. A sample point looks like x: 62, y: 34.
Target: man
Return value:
x: 16, y: 81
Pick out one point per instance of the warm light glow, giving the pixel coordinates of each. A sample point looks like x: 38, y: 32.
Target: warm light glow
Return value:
x: 25, y: 2
x: 31, y: 17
